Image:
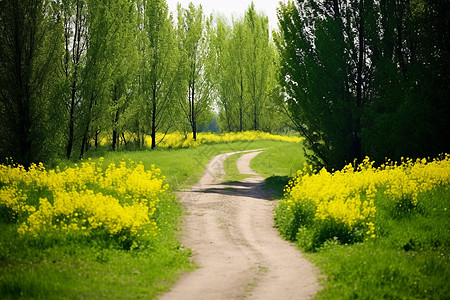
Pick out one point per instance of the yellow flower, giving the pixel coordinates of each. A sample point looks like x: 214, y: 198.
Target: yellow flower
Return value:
x: 126, y: 204
x: 347, y: 196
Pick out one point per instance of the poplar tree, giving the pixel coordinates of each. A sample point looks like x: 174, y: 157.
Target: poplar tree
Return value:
x: 245, y: 73
x: 29, y: 48
x: 123, y: 61
x: 194, y: 47
x: 259, y: 63
x: 160, y: 69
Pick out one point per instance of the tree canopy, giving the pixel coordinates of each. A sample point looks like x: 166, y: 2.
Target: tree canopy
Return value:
x: 366, y: 77
x: 355, y: 78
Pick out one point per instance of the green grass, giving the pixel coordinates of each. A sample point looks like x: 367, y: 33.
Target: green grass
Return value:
x: 278, y: 164
x: 410, y: 258
x: 280, y: 159
x: 73, y: 267
x: 231, y: 170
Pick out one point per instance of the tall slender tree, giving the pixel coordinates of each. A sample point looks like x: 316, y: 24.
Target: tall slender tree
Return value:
x: 259, y: 63
x: 123, y: 62
x: 192, y: 32
x: 73, y: 14
x: 160, y: 72
x: 29, y: 47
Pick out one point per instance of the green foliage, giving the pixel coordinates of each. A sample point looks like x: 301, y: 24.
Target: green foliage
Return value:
x: 365, y: 78
x: 30, y: 44
x: 245, y: 76
x: 289, y: 221
x: 408, y: 258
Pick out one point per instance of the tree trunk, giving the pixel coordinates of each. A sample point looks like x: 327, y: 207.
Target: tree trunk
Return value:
x: 97, y: 132
x: 357, y: 151
x: 241, y: 103
x: 255, y: 116
x: 154, y: 118
x: 194, y: 122
x: 240, y: 117
x: 23, y: 101
x: 72, y: 117
x: 84, y: 142
x: 400, y: 56
x: 124, y: 139
x: 116, y: 120
x: 24, y: 128
x: 193, y: 117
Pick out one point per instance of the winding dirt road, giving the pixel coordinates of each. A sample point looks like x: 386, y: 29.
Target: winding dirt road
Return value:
x: 229, y: 227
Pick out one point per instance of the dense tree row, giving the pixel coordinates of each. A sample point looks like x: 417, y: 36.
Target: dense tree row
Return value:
x: 74, y: 71
x: 246, y: 73
x: 366, y: 77
x: 356, y: 78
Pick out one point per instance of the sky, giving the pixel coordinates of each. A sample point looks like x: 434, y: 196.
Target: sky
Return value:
x: 230, y: 8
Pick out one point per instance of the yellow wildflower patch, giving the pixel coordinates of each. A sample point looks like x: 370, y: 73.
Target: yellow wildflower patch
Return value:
x: 347, y: 196
x: 119, y: 199
x: 180, y: 140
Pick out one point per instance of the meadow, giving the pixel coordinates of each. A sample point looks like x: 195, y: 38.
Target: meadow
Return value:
x: 101, y: 228
x: 374, y: 232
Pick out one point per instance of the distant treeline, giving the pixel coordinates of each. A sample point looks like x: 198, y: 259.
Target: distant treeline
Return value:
x: 72, y: 71
x: 355, y: 78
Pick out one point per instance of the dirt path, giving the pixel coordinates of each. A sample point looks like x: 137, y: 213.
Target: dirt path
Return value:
x: 230, y: 229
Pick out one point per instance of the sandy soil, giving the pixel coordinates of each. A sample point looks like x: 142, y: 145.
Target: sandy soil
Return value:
x: 229, y: 227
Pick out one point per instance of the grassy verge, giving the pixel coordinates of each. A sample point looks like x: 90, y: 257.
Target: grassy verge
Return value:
x: 88, y: 232
x: 410, y: 260
x: 231, y: 170
x: 400, y: 251
x: 278, y: 164
x: 71, y: 266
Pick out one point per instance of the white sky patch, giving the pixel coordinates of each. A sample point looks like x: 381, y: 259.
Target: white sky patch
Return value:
x: 231, y: 8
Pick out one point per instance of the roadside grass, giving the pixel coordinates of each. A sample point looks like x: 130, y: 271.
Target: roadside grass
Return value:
x: 231, y: 170
x: 71, y: 266
x: 61, y: 266
x: 278, y: 164
x: 409, y: 258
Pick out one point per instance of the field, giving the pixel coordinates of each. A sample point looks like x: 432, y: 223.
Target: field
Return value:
x: 76, y: 257
x: 377, y: 233
x: 374, y: 233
